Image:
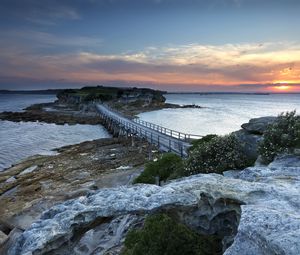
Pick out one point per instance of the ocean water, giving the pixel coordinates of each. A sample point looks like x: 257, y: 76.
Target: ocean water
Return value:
x: 222, y: 113
x: 23, y: 139
x: 17, y: 102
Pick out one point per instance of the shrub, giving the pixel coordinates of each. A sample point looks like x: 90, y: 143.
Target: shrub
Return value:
x: 161, y: 235
x: 218, y: 154
x: 198, y: 142
x: 163, y: 168
x: 93, y: 96
x: 280, y: 137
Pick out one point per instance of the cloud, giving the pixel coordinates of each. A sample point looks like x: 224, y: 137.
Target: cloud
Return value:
x: 239, y: 63
x: 190, y: 65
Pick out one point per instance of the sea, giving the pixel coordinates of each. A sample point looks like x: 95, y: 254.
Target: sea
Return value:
x: 221, y: 113
x: 23, y: 139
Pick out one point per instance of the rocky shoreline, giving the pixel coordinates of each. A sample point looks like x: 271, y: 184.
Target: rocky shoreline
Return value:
x: 132, y: 111
x: 257, y: 209
x: 62, y: 113
x: 56, y: 113
x: 34, y: 185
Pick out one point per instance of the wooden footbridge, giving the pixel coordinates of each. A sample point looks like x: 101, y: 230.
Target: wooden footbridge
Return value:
x: 166, y: 139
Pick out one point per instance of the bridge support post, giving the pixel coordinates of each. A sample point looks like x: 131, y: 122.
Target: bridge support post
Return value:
x: 150, y: 153
x: 181, y: 150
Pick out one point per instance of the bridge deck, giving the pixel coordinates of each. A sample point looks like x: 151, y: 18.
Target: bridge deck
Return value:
x: 155, y: 134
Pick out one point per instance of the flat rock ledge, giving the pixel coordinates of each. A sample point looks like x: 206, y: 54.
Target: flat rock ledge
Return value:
x: 263, y: 202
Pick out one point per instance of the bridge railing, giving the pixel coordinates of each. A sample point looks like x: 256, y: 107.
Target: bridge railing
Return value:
x: 170, y: 132
x: 166, y: 139
x: 167, y: 131
x: 164, y: 142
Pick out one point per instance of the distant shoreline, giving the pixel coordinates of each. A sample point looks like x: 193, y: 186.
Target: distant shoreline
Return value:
x: 37, y: 92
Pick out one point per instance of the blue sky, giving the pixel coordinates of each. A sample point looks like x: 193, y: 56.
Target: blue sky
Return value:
x: 171, y: 44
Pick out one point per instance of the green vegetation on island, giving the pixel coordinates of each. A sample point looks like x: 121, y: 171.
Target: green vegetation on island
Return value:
x: 124, y: 95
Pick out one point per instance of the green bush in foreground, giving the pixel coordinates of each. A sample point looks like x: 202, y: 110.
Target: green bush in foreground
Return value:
x: 163, y: 168
x: 282, y: 136
x: 201, y: 141
x: 161, y: 235
x: 218, y: 154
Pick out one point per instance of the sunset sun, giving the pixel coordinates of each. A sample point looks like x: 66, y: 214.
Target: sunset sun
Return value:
x: 282, y: 87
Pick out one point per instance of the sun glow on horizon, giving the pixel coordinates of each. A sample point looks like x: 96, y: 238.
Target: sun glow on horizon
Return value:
x: 282, y: 87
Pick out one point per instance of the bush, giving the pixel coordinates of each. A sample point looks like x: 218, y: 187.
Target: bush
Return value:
x: 94, y: 96
x: 280, y: 137
x: 199, y: 142
x: 167, y: 165
x: 161, y: 235
x: 218, y: 154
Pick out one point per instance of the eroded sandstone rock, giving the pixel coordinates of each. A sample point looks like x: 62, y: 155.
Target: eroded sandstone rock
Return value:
x: 266, y: 199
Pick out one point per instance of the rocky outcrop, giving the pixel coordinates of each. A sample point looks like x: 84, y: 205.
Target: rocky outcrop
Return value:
x: 251, y: 134
x: 249, y: 143
x: 258, y: 125
x: 55, y: 113
x: 36, y: 184
x: 258, y: 208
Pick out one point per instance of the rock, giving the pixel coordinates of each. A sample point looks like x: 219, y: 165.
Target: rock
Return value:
x: 104, y: 238
x: 3, y: 238
x: 11, y: 179
x: 66, y: 175
x: 251, y: 134
x: 191, y: 106
x: 58, y: 114
x: 28, y: 170
x: 258, y: 208
x: 285, y: 160
x: 258, y: 125
x: 249, y: 143
x: 10, y: 242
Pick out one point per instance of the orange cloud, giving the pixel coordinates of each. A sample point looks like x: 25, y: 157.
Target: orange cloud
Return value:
x: 230, y: 64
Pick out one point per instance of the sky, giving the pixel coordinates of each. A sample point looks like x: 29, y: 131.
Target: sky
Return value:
x: 174, y: 45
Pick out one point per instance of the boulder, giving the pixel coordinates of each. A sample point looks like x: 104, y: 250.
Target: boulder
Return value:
x: 251, y: 134
x: 258, y: 125
x: 257, y: 211
x: 249, y: 143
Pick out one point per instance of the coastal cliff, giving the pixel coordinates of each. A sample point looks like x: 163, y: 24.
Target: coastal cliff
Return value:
x: 258, y: 208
